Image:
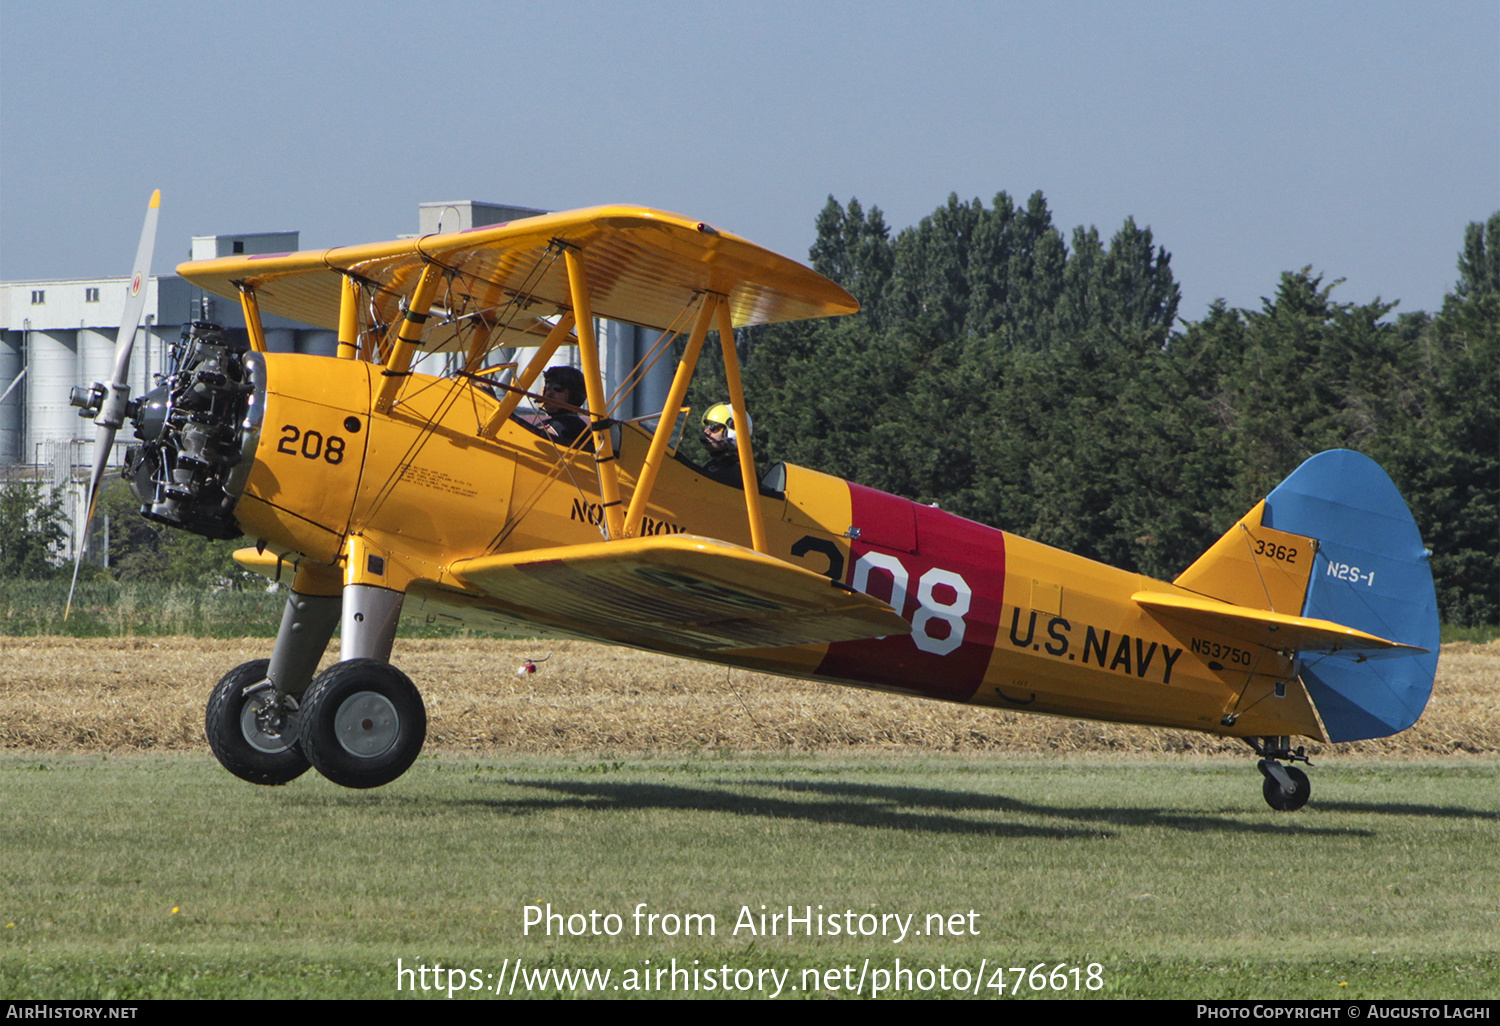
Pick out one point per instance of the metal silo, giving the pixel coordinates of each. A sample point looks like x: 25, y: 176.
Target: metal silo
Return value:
x: 50, y: 377
x: 12, y: 420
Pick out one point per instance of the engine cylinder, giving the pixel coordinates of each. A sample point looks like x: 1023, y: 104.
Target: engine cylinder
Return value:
x: 198, y: 431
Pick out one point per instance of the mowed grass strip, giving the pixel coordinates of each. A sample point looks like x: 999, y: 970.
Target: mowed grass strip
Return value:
x: 148, y: 694
x: 136, y: 876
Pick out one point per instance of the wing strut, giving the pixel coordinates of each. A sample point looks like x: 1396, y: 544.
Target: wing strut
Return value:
x: 349, y: 297
x: 747, y: 457
x: 715, y: 308
x: 668, y: 421
x: 408, y: 333
x: 528, y: 377
x: 593, y: 382
x: 251, y: 308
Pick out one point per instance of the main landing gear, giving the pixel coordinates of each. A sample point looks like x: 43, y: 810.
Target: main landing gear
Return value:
x: 253, y: 730
x: 361, y: 722
x: 1286, y: 788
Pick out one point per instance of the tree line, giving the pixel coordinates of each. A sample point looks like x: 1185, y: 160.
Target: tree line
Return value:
x: 33, y: 531
x: 1046, y: 385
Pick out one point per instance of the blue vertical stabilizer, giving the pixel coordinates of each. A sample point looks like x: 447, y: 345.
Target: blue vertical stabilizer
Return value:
x: 1371, y: 573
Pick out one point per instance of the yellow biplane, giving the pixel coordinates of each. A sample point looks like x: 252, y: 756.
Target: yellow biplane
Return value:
x: 374, y: 488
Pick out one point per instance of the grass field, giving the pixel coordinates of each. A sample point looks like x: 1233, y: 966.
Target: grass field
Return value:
x: 133, y: 867
x: 147, y: 876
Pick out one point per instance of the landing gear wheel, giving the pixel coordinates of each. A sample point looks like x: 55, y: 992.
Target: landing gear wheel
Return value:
x: 251, y: 736
x: 1278, y: 799
x: 363, y: 723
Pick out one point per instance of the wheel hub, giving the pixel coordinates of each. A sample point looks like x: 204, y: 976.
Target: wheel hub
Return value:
x: 264, y: 725
x: 367, y: 725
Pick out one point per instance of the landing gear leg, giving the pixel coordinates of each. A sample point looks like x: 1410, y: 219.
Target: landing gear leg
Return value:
x: 362, y: 720
x: 252, y: 719
x: 370, y: 618
x: 1286, y: 788
x: 307, y: 623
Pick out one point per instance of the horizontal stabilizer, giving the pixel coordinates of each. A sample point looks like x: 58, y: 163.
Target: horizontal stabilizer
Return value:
x: 678, y: 593
x: 1261, y: 627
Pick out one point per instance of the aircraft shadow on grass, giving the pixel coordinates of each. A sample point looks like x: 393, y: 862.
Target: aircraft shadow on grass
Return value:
x: 886, y: 807
x: 1403, y: 809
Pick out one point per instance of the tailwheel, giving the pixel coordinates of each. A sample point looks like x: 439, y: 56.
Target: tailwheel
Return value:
x: 1286, y: 788
x: 363, y: 723
x: 1288, y: 795
x: 252, y: 730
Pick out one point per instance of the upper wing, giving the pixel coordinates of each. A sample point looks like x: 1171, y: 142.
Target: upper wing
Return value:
x: 678, y: 593
x: 643, y: 267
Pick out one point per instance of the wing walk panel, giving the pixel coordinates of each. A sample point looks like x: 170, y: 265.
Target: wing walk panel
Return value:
x: 678, y: 593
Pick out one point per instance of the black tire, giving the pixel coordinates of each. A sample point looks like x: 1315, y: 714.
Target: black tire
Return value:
x: 1279, y: 800
x: 363, y: 723
x: 238, y: 743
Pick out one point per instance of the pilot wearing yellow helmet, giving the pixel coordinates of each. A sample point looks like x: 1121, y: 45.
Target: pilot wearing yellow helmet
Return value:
x: 720, y: 440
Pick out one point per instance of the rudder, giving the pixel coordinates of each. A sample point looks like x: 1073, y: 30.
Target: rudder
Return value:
x: 1370, y: 572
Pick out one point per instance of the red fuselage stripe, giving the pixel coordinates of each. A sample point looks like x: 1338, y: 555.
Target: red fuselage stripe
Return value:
x: 948, y: 575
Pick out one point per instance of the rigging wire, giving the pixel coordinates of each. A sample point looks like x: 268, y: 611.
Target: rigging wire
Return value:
x: 1270, y: 604
x: 519, y: 301
x: 653, y: 356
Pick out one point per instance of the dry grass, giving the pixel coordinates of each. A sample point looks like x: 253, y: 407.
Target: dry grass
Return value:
x: 148, y: 693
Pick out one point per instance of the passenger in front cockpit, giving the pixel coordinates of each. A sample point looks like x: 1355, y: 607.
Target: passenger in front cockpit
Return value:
x: 563, y: 385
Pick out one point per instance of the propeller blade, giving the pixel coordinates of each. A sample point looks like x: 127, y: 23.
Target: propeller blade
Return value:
x: 6, y: 394
x: 117, y: 391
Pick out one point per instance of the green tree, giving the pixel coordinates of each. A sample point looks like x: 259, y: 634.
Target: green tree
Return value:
x: 1048, y: 389
x: 1314, y: 374
x: 1448, y: 462
x: 1127, y: 290
x: 32, y: 528
x: 142, y: 550
x: 1479, y: 261
x: 956, y: 383
x: 854, y: 249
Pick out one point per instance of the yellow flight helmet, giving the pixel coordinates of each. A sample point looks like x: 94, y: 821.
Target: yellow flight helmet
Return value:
x: 723, y: 415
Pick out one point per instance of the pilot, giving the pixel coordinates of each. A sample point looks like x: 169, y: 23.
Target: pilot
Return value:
x: 562, y: 388
x: 720, y: 441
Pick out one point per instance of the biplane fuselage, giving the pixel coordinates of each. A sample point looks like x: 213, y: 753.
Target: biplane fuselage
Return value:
x: 994, y: 619
x: 373, y: 489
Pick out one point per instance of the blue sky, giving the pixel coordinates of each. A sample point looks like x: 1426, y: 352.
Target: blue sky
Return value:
x: 1252, y: 138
